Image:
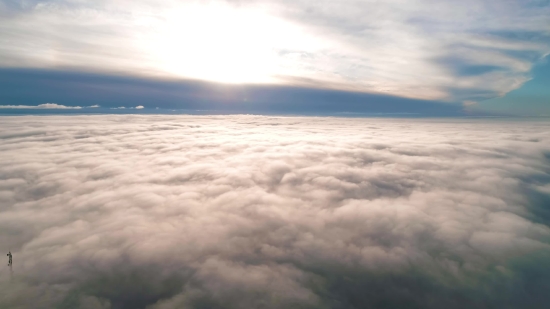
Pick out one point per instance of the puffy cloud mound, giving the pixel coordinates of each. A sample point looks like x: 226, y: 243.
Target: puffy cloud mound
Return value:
x: 164, y: 212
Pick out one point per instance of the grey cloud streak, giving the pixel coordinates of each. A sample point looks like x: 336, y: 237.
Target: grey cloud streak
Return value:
x: 166, y: 212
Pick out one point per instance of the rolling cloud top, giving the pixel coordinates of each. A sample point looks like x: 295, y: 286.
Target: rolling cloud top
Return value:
x: 164, y: 212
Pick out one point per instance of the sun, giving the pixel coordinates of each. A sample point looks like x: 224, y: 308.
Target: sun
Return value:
x: 220, y: 43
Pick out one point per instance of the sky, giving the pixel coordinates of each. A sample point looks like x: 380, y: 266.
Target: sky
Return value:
x: 532, y: 98
x: 461, y: 57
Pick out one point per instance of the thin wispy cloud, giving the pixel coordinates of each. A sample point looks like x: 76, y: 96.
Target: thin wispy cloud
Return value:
x: 443, y: 50
x: 43, y: 106
x: 46, y: 106
x: 165, y: 212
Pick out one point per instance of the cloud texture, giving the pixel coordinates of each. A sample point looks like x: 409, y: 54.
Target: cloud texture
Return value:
x: 164, y: 212
x: 425, y: 49
x: 43, y: 106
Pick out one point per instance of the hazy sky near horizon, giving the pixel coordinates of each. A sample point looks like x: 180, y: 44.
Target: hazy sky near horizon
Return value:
x: 460, y: 52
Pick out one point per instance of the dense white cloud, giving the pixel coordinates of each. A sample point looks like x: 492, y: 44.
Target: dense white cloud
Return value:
x: 444, y: 50
x: 166, y: 212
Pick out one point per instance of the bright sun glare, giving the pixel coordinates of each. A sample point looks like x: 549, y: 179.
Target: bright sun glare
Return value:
x: 225, y: 44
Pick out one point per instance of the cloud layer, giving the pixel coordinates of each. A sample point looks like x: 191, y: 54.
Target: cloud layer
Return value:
x: 43, y: 106
x: 163, y: 212
x: 437, y: 50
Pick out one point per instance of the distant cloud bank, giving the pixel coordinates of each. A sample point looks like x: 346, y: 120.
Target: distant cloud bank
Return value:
x: 161, y: 212
x: 45, y: 105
